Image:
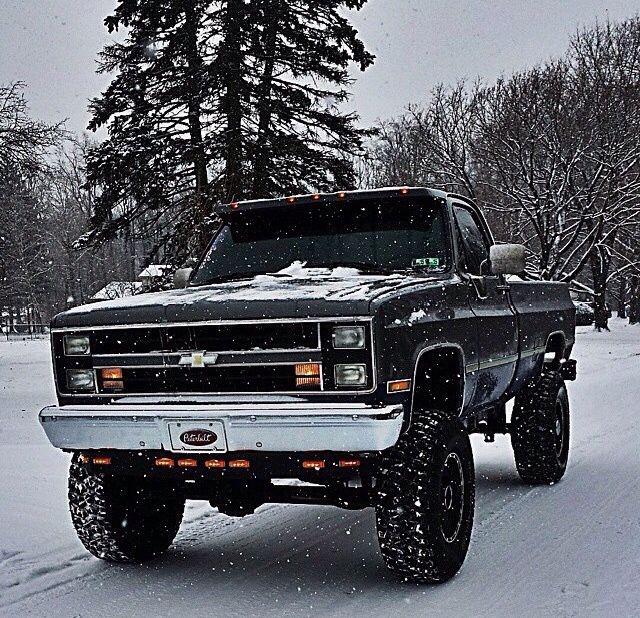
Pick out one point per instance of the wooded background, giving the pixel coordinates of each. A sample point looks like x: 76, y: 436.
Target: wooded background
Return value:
x: 223, y: 100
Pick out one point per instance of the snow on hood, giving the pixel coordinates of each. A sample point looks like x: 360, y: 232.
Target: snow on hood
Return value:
x: 296, y: 283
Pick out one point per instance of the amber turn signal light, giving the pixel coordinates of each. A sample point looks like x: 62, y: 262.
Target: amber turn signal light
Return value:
x: 111, y: 373
x: 307, y: 374
x: 112, y: 378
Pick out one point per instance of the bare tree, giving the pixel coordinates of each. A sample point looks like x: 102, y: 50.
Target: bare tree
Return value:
x: 428, y: 145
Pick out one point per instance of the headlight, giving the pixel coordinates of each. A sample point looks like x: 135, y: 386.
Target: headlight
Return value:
x: 76, y: 346
x: 80, y: 379
x: 350, y: 375
x: 348, y: 337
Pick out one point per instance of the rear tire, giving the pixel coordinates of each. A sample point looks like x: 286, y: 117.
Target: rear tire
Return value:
x: 540, y: 430
x: 123, y: 518
x: 425, y: 499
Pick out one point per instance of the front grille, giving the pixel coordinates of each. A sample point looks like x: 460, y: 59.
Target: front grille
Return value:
x: 245, y: 379
x: 210, y: 337
x: 210, y: 358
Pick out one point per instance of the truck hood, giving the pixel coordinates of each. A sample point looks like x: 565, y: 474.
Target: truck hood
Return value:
x: 307, y: 292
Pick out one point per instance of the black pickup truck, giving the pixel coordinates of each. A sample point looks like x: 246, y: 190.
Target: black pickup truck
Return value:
x: 350, y: 341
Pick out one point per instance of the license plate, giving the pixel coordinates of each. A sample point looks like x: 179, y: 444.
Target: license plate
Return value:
x: 203, y: 436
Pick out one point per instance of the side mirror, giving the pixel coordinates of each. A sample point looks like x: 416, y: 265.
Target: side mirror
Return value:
x: 181, y: 277
x: 507, y: 259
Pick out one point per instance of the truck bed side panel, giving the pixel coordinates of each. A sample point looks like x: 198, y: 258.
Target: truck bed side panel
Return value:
x: 543, y: 308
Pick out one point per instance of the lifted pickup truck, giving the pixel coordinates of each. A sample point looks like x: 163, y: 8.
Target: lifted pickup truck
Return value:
x: 349, y: 341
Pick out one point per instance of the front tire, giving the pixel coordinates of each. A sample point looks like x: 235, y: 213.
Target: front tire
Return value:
x: 123, y: 518
x: 425, y: 499
x: 540, y: 430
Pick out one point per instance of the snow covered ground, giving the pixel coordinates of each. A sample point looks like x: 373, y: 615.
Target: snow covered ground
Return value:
x: 572, y: 549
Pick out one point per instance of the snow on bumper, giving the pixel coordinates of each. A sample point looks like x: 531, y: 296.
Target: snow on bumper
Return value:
x: 286, y: 427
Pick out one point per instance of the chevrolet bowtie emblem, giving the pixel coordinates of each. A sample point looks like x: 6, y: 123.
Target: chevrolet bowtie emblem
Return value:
x: 199, y: 359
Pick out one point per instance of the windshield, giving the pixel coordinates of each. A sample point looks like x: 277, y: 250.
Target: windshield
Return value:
x: 372, y: 236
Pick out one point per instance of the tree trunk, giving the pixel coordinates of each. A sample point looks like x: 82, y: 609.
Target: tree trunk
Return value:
x: 599, y: 272
x: 634, y: 305
x: 232, y: 99
x: 622, y: 298
x: 264, y: 103
x: 194, y: 81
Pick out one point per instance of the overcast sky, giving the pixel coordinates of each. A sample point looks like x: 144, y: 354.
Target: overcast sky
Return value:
x: 52, y: 45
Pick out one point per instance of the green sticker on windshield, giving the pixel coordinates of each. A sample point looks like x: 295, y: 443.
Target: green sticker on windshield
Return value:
x: 430, y: 262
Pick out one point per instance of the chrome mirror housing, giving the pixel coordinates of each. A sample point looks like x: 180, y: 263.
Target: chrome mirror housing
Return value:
x: 507, y: 259
x: 181, y: 277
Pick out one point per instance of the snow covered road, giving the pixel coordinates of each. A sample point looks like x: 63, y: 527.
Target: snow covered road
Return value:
x: 572, y: 549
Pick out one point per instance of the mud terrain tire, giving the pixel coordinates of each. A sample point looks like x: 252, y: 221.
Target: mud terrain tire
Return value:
x: 425, y: 499
x: 540, y: 430
x: 122, y: 518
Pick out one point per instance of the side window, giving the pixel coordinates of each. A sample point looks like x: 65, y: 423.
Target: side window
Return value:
x: 472, y: 241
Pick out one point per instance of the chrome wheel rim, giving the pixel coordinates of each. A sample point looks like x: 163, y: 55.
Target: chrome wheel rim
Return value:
x: 452, y: 497
x: 560, y: 437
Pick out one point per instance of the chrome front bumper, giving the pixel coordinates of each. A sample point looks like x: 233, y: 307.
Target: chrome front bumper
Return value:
x: 273, y: 427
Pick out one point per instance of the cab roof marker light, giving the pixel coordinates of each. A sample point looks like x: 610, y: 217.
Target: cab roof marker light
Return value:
x: 234, y: 205
x: 341, y: 194
x: 315, y: 196
x: 291, y: 199
x: 404, y: 190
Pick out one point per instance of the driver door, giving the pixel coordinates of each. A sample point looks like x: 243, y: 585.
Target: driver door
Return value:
x: 496, y: 320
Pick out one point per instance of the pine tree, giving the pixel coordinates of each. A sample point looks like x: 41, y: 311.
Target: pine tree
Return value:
x: 221, y: 100
x: 155, y: 162
x: 297, y: 138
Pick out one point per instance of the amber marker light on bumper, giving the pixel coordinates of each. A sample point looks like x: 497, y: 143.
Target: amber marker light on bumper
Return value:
x: 165, y: 462
x: 102, y: 461
x: 313, y: 464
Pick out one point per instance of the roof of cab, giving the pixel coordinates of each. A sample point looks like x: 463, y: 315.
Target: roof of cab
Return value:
x: 332, y: 197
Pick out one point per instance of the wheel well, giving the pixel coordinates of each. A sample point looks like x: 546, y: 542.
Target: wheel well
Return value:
x: 439, y: 380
